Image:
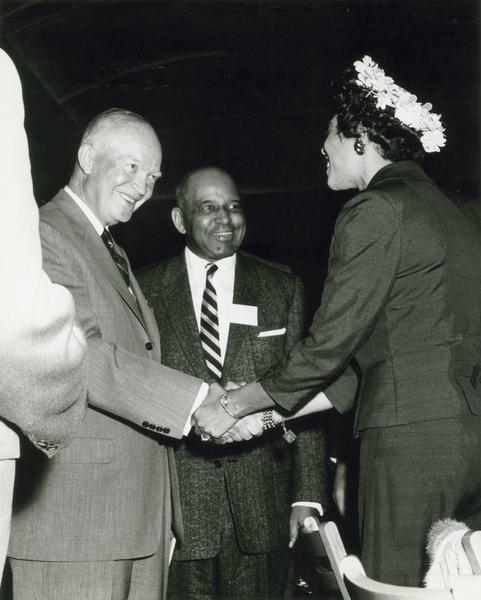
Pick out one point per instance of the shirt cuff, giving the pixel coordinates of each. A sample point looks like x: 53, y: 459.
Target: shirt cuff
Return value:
x: 201, y: 396
x: 316, y: 505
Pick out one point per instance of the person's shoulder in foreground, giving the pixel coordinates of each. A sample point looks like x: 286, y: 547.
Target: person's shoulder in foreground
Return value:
x: 41, y: 348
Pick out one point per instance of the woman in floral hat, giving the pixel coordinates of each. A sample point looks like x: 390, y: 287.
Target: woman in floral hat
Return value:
x: 402, y: 304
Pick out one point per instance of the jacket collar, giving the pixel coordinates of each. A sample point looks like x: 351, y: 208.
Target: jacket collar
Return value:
x: 176, y: 297
x: 83, y: 234
x: 245, y: 292
x: 396, y: 171
x: 177, y: 300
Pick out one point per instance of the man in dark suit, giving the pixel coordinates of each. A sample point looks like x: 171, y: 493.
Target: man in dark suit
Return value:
x: 236, y: 501
x: 96, y: 522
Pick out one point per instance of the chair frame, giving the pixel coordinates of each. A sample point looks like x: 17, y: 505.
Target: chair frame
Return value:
x: 362, y: 587
x: 354, y: 584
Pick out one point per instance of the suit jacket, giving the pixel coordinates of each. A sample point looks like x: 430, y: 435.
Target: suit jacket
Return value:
x: 265, y: 475
x: 42, y: 376
x: 104, y: 497
x: 402, y: 300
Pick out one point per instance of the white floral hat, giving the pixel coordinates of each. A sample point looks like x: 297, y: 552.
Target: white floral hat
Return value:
x: 407, y: 109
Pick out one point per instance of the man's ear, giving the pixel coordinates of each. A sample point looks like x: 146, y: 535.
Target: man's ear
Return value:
x: 178, y: 219
x: 85, y: 158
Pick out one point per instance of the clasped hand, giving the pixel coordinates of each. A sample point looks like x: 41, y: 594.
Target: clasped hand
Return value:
x: 213, y: 423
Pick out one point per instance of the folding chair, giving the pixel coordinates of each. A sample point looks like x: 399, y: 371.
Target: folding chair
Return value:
x: 356, y: 585
x: 361, y: 587
x: 472, y: 546
x: 335, y: 552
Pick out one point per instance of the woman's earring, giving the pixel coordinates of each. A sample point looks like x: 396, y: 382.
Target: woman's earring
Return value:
x: 359, y: 147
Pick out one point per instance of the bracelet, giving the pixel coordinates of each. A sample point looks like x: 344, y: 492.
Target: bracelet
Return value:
x: 224, y: 402
x: 288, y: 434
x: 268, y: 420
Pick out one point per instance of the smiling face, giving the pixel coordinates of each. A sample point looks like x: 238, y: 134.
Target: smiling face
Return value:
x: 344, y: 165
x: 211, y: 217
x: 121, y: 165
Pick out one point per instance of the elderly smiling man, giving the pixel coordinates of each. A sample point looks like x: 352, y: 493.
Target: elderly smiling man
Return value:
x: 227, y: 315
x: 97, y: 522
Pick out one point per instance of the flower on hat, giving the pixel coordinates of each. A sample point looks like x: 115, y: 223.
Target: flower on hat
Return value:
x: 407, y: 109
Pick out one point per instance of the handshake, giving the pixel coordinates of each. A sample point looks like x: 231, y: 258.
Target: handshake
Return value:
x: 232, y: 414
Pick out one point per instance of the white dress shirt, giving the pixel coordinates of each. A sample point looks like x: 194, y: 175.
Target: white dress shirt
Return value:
x: 96, y: 224
x: 223, y: 282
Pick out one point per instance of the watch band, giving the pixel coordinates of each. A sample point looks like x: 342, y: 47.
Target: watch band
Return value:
x: 224, y: 402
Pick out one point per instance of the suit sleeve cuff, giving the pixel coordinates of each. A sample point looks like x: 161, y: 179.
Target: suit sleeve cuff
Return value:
x: 201, y: 395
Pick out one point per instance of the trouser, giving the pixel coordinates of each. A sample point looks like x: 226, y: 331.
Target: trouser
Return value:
x: 231, y: 574
x: 412, y: 475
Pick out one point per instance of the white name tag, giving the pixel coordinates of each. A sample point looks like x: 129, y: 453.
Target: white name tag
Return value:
x: 243, y: 314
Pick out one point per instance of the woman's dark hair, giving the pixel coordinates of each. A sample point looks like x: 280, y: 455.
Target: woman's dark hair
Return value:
x: 357, y: 113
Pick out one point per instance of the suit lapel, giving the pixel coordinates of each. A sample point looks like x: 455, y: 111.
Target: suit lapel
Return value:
x: 177, y: 301
x: 244, y: 293
x: 148, y: 318
x: 90, y: 243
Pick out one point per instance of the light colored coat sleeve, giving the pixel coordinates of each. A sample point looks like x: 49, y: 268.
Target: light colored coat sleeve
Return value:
x: 41, y: 350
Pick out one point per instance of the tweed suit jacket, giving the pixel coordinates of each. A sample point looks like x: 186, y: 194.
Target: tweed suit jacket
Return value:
x: 402, y: 299
x: 105, y: 496
x: 265, y: 475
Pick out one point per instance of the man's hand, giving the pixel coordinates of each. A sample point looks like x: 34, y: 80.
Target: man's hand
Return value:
x: 339, y: 487
x: 296, y: 522
x: 211, y: 419
x: 244, y: 429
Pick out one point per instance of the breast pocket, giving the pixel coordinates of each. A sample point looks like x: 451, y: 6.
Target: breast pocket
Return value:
x: 269, y: 343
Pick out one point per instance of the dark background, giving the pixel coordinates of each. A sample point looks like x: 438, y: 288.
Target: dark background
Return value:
x: 243, y: 85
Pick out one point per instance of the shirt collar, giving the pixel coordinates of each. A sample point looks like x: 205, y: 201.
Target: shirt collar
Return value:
x: 197, y: 265
x: 86, y: 210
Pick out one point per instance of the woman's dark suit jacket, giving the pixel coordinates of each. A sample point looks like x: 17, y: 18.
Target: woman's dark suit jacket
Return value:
x: 403, y: 300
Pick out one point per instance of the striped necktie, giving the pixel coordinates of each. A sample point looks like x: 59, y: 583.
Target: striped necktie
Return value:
x: 118, y: 259
x: 209, y: 326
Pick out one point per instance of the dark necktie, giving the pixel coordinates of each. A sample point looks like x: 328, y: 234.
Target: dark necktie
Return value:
x: 209, y: 327
x: 118, y: 259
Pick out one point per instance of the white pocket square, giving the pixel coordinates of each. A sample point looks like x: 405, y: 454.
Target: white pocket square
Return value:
x: 272, y: 332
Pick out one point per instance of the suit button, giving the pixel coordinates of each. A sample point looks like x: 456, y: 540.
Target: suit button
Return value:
x: 218, y: 462
x: 47, y: 446
x: 166, y: 429
x: 149, y: 345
